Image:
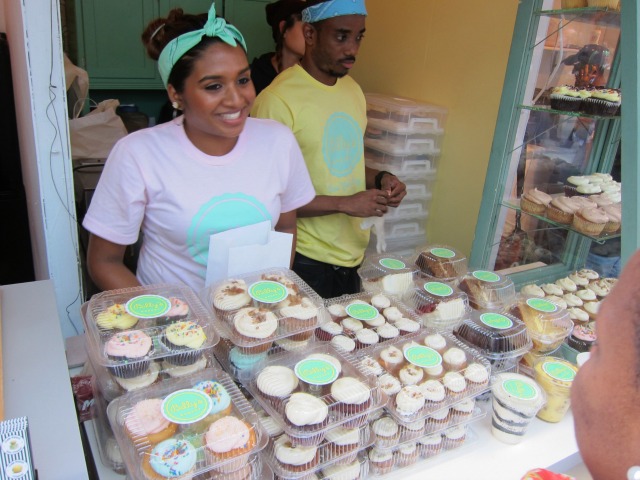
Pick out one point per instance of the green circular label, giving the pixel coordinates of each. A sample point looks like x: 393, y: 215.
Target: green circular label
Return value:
x: 495, y: 320
x: 559, y: 371
x: 266, y: 291
x: 438, y: 288
x: 519, y: 389
x: 315, y: 371
x: 486, y: 276
x: 362, y: 311
x: 423, y: 357
x: 443, y: 252
x: 186, y: 406
x: 542, y: 305
x: 392, y: 263
x: 148, y: 306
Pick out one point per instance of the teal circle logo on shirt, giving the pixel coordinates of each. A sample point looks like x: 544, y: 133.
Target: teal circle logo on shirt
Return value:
x: 342, y: 146
x: 222, y: 213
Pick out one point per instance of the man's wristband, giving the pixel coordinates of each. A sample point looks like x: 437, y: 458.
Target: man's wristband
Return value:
x: 378, y: 178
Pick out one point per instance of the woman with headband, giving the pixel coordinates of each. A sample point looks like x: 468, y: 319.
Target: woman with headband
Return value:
x: 209, y: 170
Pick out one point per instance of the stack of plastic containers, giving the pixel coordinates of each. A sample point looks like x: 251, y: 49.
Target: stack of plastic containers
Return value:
x: 321, y: 401
x: 404, y: 137
x: 261, y: 314
x: 432, y: 381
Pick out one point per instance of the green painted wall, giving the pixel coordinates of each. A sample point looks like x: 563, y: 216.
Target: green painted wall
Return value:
x: 452, y: 53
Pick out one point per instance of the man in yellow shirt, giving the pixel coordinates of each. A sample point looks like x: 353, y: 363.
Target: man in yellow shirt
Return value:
x: 326, y: 110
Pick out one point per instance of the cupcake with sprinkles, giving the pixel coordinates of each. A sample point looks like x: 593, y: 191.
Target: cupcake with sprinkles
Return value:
x: 116, y: 317
x: 184, y: 340
x: 173, y: 458
x: 220, y: 400
x: 131, y: 351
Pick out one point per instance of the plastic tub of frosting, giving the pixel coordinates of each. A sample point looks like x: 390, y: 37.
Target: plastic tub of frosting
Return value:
x: 441, y: 306
x: 547, y: 323
x: 340, y: 447
x: 440, y: 262
x: 427, y: 372
x: 254, y: 311
x: 130, y: 329
x: 555, y: 376
x: 188, y: 426
x: 387, y: 273
x: 403, y: 115
x: 497, y: 336
x: 312, y: 391
x: 416, y: 165
x: 488, y: 290
x: 364, y: 320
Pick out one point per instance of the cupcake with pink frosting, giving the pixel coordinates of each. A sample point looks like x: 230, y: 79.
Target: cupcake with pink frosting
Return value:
x: 535, y: 201
x: 590, y: 221
x: 129, y: 351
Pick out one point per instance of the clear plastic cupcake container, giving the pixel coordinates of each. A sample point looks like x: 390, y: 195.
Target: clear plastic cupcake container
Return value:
x: 555, y: 375
x: 198, y: 424
x: 254, y: 469
x: 441, y: 263
x: 255, y: 310
x: 488, y: 290
x: 126, y: 329
x: 548, y: 324
x: 312, y: 391
x: 387, y: 273
x: 497, y: 336
x: 402, y: 144
x: 367, y: 319
x: 340, y: 447
x: 427, y: 373
x: 108, y: 448
x: 441, y: 306
x: 403, y: 115
x: 418, y: 165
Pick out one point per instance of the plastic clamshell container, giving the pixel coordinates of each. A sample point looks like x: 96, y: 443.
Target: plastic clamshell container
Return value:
x: 419, y: 189
x: 497, y: 336
x: 403, y: 144
x: 488, y: 290
x: 428, y: 372
x: 547, y: 323
x: 408, y: 209
x: 147, y: 311
x: 529, y: 359
x: 440, y: 305
x: 402, y: 229
x: 358, y: 469
x: 327, y: 453
x: 387, y: 273
x: 418, y: 165
x: 555, y: 376
x: 358, y: 312
x: 276, y: 296
x: 402, y: 115
x: 188, y: 411
x: 108, y: 447
x: 440, y: 262
x: 316, y: 372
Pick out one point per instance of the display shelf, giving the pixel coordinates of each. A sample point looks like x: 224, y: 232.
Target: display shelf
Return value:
x: 514, y: 205
x: 539, y: 108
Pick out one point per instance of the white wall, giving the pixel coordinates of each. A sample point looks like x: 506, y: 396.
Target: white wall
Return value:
x: 35, y: 42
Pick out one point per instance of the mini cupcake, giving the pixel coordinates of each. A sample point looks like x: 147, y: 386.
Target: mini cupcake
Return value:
x: 352, y: 397
x: 306, y: 412
x: 410, y: 374
x: 476, y: 375
x: 380, y: 301
x: 454, y: 359
x: 406, y: 455
x: 173, y: 458
x: 590, y: 221
x: 614, y: 213
x: 295, y: 458
x: 327, y: 331
x: 406, y: 326
x: 592, y: 309
x: 343, y: 343
x: 351, y: 325
x: 454, y: 384
x: 256, y: 327
x: 572, y: 300
x: 343, y: 442
x: 463, y: 410
x: 439, y: 419
x: 145, y: 424
x: 389, y: 384
x: 276, y: 382
x: 116, y: 317
x: 409, y: 400
x: 415, y: 429
x: 381, y: 461
x: 387, y: 332
x: 578, y: 315
x: 600, y: 287
x: 147, y: 378
x: 583, y: 337
x: 131, y: 349
x: 228, y: 443
x: 561, y: 210
x: 552, y: 289
x: 567, y: 285
x: 586, y: 295
x: 370, y: 366
x: 376, y: 322
x: 430, y: 445
x: 454, y: 437
x: 229, y: 297
x: 339, y: 471
x: 579, y: 278
x: 184, y: 341
x: 337, y: 312
x: 558, y: 300
x: 366, y: 338
x: 391, y: 358
x: 534, y: 201
x: 386, y: 432
x: 436, y: 342
x: 392, y: 314
x: 434, y: 393
x: 532, y: 290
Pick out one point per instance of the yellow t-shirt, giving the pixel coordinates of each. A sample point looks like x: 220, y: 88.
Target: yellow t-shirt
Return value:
x: 328, y: 122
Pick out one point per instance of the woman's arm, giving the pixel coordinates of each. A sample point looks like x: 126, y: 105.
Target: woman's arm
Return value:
x: 106, y: 266
x: 287, y: 224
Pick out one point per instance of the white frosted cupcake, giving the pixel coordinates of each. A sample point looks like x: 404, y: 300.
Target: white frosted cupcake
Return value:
x: 586, y: 295
x: 436, y: 341
x: 389, y: 384
x: 572, y: 300
x: 343, y: 343
x: 433, y: 391
x: 430, y: 445
x: 392, y: 314
x: 558, y: 300
x: 552, y: 289
x: 567, y: 285
x: 476, y: 375
x: 454, y: 384
x: 410, y: 374
x: 386, y: 431
x: 380, y: 301
x: 533, y: 290
x: 371, y: 366
x: 409, y: 400
x: 578, y: 315
x: 387, y: 331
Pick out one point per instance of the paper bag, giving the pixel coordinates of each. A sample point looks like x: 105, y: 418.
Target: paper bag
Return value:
x: 95, y: 134
x: 246, y: 249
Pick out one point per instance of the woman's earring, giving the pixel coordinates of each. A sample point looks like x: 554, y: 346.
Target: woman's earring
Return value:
x: 176, y: 106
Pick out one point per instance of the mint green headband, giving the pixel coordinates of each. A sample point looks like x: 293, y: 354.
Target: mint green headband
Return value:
x: 176, y: 48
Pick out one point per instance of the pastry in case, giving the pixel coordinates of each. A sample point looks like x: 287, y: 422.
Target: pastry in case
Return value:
x: 441, y: 306
x: 386, y: 273
x: 488, y: 290
x: 325, y: 388
x: 440, y: 263
x: 198, y: 445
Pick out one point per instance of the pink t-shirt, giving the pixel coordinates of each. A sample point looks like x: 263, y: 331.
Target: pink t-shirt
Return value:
x: 157, y: 181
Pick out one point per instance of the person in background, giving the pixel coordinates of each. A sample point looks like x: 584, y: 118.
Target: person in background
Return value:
x: 209, y: 170
x: 605, y: 396
x: 326, y: 110
x: 285, y: 20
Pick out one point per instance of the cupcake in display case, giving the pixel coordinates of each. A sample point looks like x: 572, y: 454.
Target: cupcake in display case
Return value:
x: 440, y: 263
x: 389, y: 274
x: 488, y: 290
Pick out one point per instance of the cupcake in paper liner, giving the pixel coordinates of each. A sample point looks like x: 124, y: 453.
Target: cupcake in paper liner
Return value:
x: 590, y: 221
x: 561, y: 210
x: 614, y: 212
x: 565, y: 97
x: 184, y: 340
x: 534, y: 201
x: 131, y: 349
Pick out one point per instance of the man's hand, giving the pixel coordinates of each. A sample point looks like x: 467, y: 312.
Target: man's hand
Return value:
x: 394, y: 188
x: 370, y: 203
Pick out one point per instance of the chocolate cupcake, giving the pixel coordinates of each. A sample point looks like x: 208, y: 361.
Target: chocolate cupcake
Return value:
x: 184, y: 341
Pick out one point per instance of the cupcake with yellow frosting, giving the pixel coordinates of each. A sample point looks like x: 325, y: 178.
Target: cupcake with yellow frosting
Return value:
x: 184, y: 341
x: 565, y: 97
x: 603, y: 101
x: 116, y: 317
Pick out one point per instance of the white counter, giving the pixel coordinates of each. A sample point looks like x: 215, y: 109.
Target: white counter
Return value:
x: 36, y: 379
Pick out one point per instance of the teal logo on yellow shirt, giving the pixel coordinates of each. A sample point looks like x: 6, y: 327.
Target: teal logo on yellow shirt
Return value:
x: 342, y: 146
x: 222, y: 213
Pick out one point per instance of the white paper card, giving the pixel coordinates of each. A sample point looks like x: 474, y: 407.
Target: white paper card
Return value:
x: 246, y: 249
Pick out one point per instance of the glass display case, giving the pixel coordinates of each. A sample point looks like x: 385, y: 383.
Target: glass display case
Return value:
x: 549, y: 137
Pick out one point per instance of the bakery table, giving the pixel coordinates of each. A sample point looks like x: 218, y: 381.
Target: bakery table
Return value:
x: 36, y: 379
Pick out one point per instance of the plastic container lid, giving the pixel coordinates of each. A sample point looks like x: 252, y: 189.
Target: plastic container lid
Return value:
x: 274, y: 296
x: 186, y: 406
x: 312, y: 391
x: 547, y: 323
x: 497, y: 336
x: 387, y: 273
x: 488, y: 290
x: 441, y: 306
x: 144, y: 313
x: 440, y: 262
x: 554, y: 372
x: 403, y: 115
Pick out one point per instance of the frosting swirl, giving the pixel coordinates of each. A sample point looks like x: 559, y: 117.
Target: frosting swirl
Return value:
x: 130, y: 344
x: 305, y: 409
x: 255, y: 322
x: 186, y: 334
